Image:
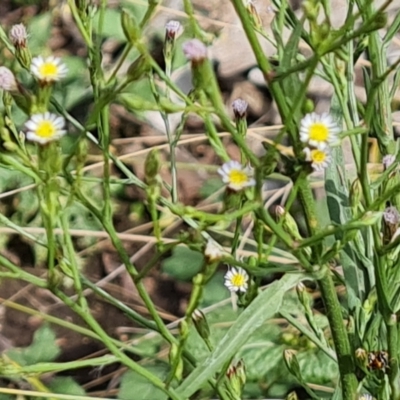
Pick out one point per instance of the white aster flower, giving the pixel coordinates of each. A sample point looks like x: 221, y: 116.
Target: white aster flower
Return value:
x: 318, y: 131
x: 236, y: 176
x: 44, y: 128
x: 48, y: 70
x: 213, y: 252
x: 320, y: 159
x: 236, y: 280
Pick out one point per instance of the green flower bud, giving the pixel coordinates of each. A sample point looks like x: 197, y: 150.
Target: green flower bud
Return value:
x: 288, y: 223
x: 152, y: 165
x: 130, y: 27
x: 201, y: 324
x: 292, y: 396
x: 236, y: 375
x: 292, y: 363
x: 361, y: 357
x: 137, y: 69
x: 183, y: 328
x: 355, y: 194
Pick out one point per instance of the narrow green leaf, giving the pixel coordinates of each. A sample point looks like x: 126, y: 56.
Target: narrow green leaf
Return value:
x: 263, y: 307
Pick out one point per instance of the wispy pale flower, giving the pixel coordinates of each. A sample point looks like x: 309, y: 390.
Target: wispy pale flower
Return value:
x: 240, y: 107
x: 236, y: 280
x: 18, y: 35
x: 319, y: 131
x: 213, y: 252
x: 195, y: 51
x: 7, y: 80
x: 48, y: 70
x: 388, y: 160
x: 172, y: 29
x: 320, y: 159
x: 391, y: 216
x: 44, y: 128
x: 236, y: 176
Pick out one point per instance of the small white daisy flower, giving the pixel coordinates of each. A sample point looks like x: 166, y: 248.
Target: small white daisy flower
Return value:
x: 236, y: 280
x: 48, y: 70
x: 213, y: 252
x: 236, y: 176
x: 44, y: 128
x: 320, y: 159
x: 318, y: 130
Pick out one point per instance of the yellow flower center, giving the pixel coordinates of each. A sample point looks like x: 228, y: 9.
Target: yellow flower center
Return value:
x: 237, y: 177
x: 48, y: 70
x: 318, y: 156
x: 46, y: 129
x: 319, y: 132
x: 238, y: 280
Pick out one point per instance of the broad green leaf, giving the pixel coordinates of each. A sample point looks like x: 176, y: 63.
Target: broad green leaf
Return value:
x: 66, y: 385
x: 42, y: 349
x: 214, y: 291
x: 134, y: 386
x: 183, y: 264
x: 262, y: 308
x: 39, y: 30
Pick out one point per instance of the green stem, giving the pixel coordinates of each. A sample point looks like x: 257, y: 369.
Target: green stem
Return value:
x: 392, y: 327
x: 96, y: 328
x: 339, y: 335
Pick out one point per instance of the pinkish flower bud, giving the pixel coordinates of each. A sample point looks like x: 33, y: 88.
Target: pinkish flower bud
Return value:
x: 391, y: 216
x: 239, y: 108
x: 7, y: 80
x: 388, y: 160
x: 172, y: 29
x: 195, y: 51
x: 18, y: 35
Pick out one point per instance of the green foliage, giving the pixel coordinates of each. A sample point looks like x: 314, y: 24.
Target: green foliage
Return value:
x: 183, y: 264
x: 42, y: 349
x: 133, y: 384
x: 336, y: 225
x: 66, y: 385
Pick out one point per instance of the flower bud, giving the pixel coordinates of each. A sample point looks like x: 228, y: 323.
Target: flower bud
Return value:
x: 361, y: 357
x: 303, y: 296
x: 292, y: 363
x: 292, y: 396
x: 213, y: 252
x: 239, y: 108
x: 391, y: 219
x: 255, y: 16
x: 355, y: 195
x: 7, y: 80
x: 236, y: 375
x: 18, y: 35
x: 137, y: 69
x: 201, y: 324
x: 388, y: 160
x: 152, y: 165
x: 288, y: 222
x: 195, y: 51
x: 171, y: 30
x: 130, y: 27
